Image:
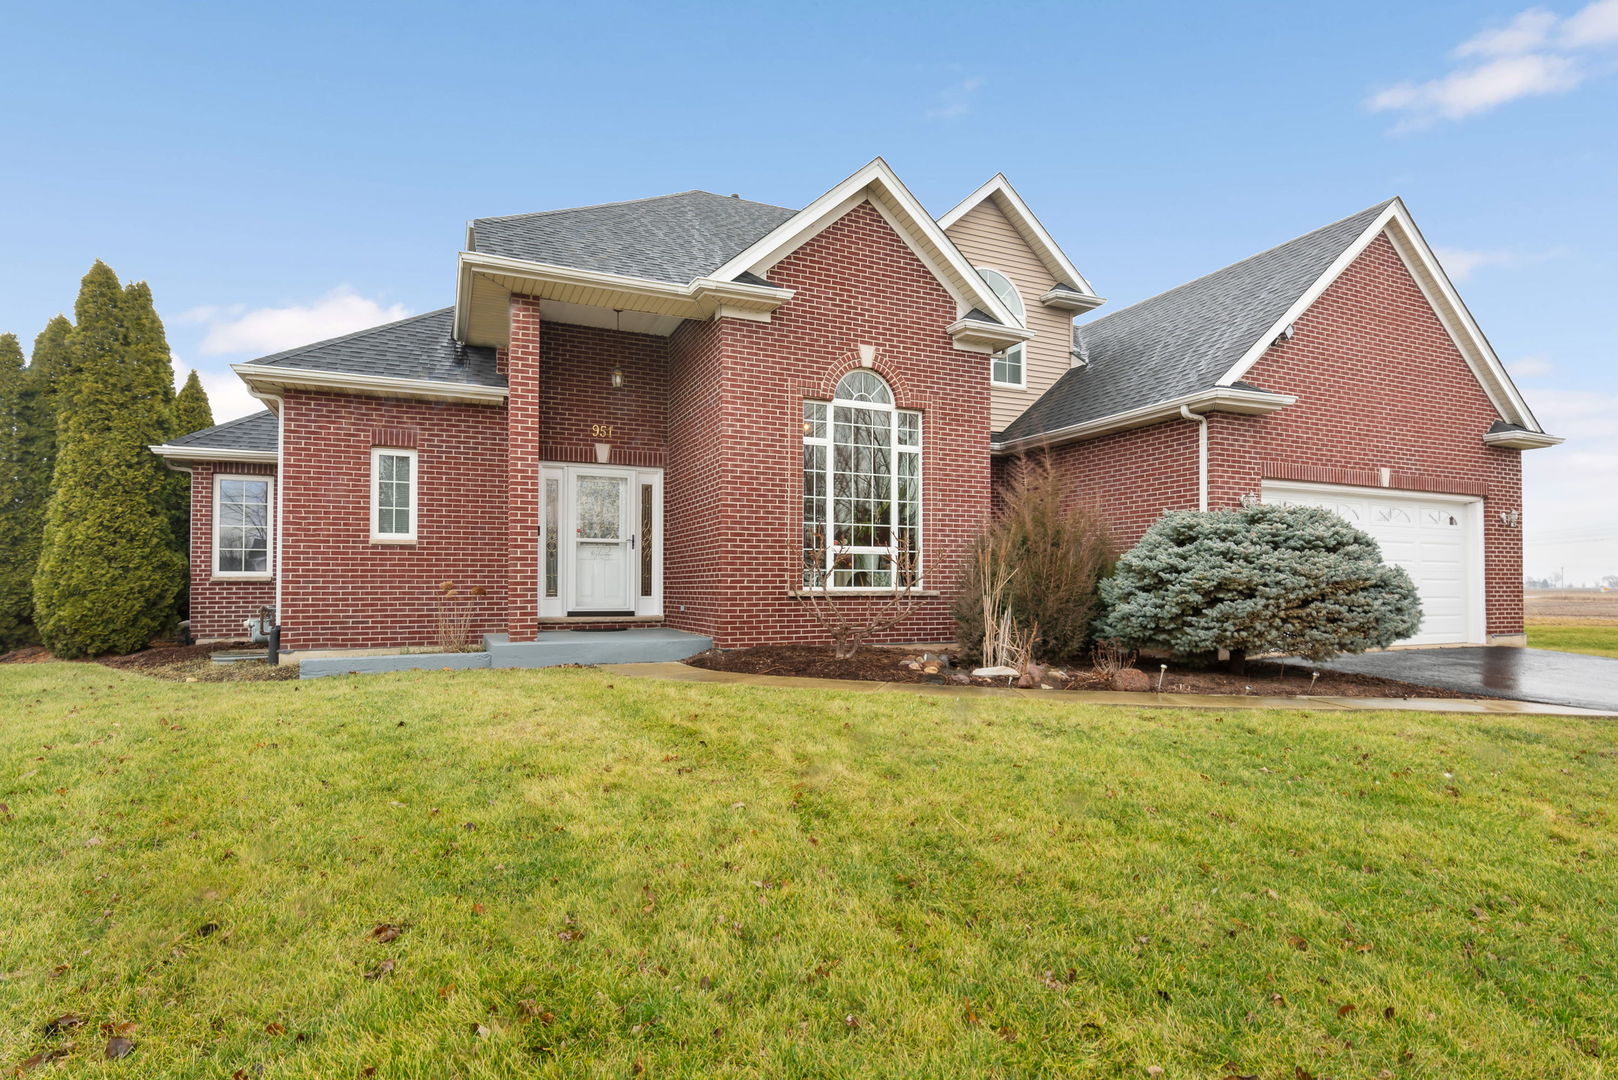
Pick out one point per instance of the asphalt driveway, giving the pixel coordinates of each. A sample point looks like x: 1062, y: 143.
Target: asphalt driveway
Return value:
x: 1558, y: 678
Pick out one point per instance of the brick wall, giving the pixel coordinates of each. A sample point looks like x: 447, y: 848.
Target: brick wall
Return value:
x: 341, y: 590
x: 1131, y: 477
x: 577, y: 396
x: 219, y: 605
x: 521, y: 363
x: 734, y: 486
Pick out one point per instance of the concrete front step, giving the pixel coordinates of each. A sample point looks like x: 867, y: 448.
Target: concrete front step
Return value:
x: 551, y: 648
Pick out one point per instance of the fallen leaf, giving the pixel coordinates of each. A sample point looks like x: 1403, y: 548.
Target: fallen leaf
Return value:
x: 1345, y: 1010
x: 1154, y: 1070
x: 1301, y: 1073
x: 480, y: 1030
x: 1298, y: 943
x: 971, y: 1017
x: 275, y: 1028
x: 1387, y: 1014
x: 369, y: 1070
x: 636, y: 1068
x: 446, y: 990
x: 384, y: 933
x: 852, y: 1021
x: 45, y: 1057
x: 384, y: 968
x: 119, y: 1047
x: 478, y: 909
x: 65, y: 1022
x: 120, y: 1027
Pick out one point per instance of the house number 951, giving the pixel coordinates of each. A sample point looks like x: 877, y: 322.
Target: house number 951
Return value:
x: 601, y: 431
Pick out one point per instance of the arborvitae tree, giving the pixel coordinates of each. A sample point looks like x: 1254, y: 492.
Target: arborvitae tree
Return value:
x: 108, y: 573
x: 28, y: 419
x: 190, y: 412
x: 16, y: 590
x: 1294, y: 580
x: 191, y: 409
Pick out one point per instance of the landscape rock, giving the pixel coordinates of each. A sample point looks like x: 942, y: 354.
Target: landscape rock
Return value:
x: 996, y: 672
x: 1131, y: 680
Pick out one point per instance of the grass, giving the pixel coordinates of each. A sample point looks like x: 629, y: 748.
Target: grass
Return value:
x: 610, y: 879
x: 1597, y: 639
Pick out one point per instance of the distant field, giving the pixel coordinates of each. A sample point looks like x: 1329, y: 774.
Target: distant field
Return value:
x: 1570, y: 607
x: 1572, y: 620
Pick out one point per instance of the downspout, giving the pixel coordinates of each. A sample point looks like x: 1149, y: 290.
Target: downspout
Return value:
x: 1202, y: 455
x: 278, y: 408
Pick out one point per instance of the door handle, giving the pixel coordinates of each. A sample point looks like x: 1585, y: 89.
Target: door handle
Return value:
x: 631, y: 541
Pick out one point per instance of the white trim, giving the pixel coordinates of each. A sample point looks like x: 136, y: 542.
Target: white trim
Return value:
x: 1440, y: 292
x: 1022, y: 320
x: 975, y: 335
x: 1521, y: 440
x: 268, y: 573
x: 213, y: 453
x: 378, y: 536
x: 556, y: 608
x: 268, y: 377
x: 1220, y: 399
x: 1476, y: 570
x: 1034, y: 234
x: 908, y: 216
x: 1069, y: 300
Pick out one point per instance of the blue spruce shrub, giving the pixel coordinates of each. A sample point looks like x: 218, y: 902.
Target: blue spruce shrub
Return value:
x: 1295, y: 580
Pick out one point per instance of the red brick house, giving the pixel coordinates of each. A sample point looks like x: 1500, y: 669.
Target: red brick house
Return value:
x: 655, y: 412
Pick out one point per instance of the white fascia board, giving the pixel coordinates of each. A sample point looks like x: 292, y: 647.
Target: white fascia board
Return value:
x: 258, y: 376
x: 213, y: 453
x: 1068, y: 300
x: 1024, y: 221
x: 1440, y: 293
x: 971, y: 291
x: 975, y: 335
x: 1522, y: 440
x: 1219, y: 399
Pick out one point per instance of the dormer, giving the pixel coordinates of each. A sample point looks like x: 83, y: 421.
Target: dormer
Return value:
x: 1034, y: 279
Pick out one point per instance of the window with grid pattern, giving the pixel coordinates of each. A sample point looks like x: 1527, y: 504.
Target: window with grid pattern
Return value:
x: 393, y: 494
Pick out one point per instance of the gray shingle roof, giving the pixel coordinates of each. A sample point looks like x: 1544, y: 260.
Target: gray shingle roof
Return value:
x: 419, y: 347
x: 1184, y: 340
x: 255, y: 431
x: 672, y: 238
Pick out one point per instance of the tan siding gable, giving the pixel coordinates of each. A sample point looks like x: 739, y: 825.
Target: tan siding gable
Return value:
x: 987, y: 238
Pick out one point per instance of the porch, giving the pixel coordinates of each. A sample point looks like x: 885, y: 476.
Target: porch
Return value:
x: 550, y: 648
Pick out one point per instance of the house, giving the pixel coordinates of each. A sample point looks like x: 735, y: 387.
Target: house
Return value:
x: 656, y: 412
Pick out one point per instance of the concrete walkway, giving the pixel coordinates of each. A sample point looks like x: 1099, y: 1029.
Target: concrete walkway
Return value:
x: 686, y: 673
x: 1544, y: 675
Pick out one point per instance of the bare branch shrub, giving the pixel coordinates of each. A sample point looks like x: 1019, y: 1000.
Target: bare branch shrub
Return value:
x: 1040, y: 560
x: 1108, y: 657
x: 454, y: 616
x: 852, y: 619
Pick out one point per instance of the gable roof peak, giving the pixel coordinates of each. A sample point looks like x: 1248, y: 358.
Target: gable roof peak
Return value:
x: 998, y: 190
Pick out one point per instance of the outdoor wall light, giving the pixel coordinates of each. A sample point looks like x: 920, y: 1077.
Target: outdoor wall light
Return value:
x: 1510, y: 518
x: 617, y: 377
x: 618, y: 327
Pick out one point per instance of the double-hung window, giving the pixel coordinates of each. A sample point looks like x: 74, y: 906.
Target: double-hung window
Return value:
x: 241, y: 526
x: 861, y: 488
x: 1007, y: 368
x: 393, y: 496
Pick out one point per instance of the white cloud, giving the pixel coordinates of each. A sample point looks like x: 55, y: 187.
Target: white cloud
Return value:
x: 956, y: 100
x: 1533, y: 366
x: 1536, y: 53
x: 1459, y: 263
x: 1529, y: 30
x: 258, y: 331
x: 227, y: 395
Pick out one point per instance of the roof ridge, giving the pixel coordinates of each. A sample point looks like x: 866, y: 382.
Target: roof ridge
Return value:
x: 1379, y: 207
x: 284, y: 353
x: 628, y: 202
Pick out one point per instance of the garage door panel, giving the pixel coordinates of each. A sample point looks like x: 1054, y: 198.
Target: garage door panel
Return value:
x: 1429, y: 539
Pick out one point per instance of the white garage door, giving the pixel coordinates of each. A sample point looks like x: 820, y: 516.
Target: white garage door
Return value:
x: 1436, y: 538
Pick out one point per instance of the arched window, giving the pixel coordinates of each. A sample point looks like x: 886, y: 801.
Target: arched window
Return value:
x: 861, y: 488
x: 1007, y: 368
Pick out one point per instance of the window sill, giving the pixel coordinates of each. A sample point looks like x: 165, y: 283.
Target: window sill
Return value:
x: 921, y: 594
x: 241, y: 577
x: 1007, y: 386
x: 394, y: 541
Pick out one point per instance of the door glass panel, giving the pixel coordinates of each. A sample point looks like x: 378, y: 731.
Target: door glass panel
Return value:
x: 646, y: 539
x: 600, y: 508
x: 553, y: 499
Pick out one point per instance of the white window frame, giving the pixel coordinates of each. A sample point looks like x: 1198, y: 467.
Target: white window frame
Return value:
x: 268, y: 573
x: 377, y: 535
x: 1019, y: 309
x: 829, y: 442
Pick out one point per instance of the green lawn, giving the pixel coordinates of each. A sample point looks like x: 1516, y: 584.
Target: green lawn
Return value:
x: 600, y: 878
x: 1597, y: 639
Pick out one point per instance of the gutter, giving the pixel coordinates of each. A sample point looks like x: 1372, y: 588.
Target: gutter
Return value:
x: 1219, y: 399
x: 1202, y: 454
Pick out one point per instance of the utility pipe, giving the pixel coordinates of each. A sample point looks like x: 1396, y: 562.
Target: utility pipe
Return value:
x: 1202, y: 454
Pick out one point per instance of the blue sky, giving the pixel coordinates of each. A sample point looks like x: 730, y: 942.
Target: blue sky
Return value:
x: 283, y: 172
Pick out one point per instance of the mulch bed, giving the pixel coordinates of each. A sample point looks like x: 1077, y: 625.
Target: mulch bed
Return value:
x: 878, y: 664
x: 180, y: 663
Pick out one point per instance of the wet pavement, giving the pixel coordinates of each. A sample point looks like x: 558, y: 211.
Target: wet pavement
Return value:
x: 1559, y: 678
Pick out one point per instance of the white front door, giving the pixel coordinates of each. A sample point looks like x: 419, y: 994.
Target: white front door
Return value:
x: 601, y: 541
x: 1437, y: 538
